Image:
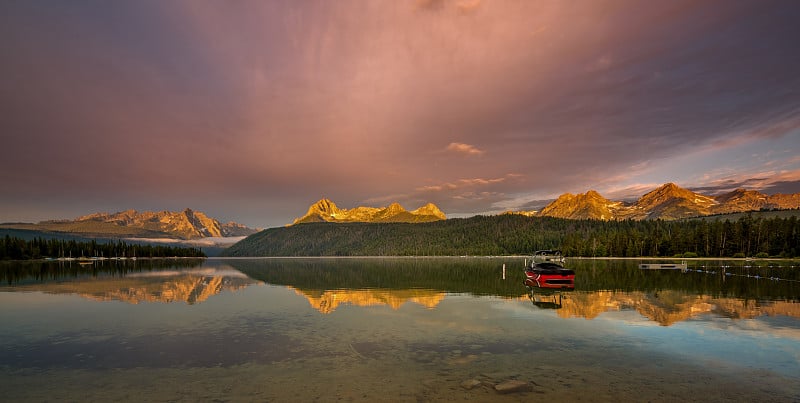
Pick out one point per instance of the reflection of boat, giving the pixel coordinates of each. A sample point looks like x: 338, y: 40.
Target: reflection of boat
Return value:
x: 548, y: 291
x: 548, y: 299
x: 547, y: 271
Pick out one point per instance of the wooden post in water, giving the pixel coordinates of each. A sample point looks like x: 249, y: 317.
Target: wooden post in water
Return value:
x: 504, y: 271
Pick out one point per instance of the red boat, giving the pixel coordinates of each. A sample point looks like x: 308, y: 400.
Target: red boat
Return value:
x: 547, y: 271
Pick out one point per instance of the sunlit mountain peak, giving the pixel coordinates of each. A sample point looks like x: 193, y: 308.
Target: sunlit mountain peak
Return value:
x: 327, y: 211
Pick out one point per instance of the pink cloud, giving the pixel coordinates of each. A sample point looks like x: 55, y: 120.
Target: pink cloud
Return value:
x: 468, y: 183
x: 462, y: 148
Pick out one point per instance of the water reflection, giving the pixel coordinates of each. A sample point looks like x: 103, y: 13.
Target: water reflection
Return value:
x: 327, y: 301
x: 434, y: 325
x: 722, y: 289
x: 546, y: 297
x: 717, y: 288
x: 134, y: 282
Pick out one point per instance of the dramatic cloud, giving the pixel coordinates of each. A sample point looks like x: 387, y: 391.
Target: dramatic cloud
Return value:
x: 251, y: 111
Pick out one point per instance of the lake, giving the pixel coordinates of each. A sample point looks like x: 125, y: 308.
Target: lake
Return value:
x: 397, y: 329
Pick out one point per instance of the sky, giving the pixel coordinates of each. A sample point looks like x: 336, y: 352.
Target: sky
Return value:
x: 250, y: 111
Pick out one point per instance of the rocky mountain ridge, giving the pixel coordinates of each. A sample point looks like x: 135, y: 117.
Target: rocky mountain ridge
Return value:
x: 327, y: 211
x: 667, y: 202
x: 186, y: 224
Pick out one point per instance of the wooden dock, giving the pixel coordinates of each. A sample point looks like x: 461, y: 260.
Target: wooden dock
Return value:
x: 663, y: 266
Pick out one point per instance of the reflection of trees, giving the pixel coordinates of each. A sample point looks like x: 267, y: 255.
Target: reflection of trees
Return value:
x: 474, y: 276
x: 27, y: 272
x: 624, y: 275
x: 670, y: 296
x: 665, y: 297
x: 483, y: 276
x: 128, y: 281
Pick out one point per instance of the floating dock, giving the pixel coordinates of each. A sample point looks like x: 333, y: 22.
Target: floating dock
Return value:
x: 662, y: 266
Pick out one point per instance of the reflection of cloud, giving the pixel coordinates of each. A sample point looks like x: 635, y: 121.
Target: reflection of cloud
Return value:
x: 462, y: 148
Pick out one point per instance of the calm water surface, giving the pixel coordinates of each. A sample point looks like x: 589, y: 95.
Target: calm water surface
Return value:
x: 410, y: 329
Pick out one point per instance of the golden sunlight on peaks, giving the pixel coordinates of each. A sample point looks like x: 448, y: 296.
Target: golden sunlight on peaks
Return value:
x: 327, y: 301
x: 187, y: 288
x: 666, y: 307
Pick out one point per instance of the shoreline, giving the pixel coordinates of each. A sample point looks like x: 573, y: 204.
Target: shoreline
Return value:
x: 98, y: 259
x: 503, y: 257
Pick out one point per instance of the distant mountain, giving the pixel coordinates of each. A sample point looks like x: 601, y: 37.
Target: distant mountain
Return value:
x: 668, y: 202
x: 187, y: 224
x: 512, y: 234
x: 589, y: 205
x: 327, y: 211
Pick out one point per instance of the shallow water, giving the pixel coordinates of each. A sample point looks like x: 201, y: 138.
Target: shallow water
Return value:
x: 413, y: 329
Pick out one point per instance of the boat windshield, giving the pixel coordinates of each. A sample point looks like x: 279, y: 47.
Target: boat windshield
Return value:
x: 548, y: 256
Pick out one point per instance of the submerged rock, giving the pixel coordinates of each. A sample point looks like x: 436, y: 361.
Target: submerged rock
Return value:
x: 471, y: 383
x: 513, y: 386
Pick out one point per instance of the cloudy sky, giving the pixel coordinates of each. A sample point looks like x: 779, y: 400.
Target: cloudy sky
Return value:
x: 252, y: 110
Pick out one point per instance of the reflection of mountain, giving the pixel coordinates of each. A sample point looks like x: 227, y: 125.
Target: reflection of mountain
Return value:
x: 328, y: 301
x: 664, y: 296
x: 164, y: 286
x: 668, y: 307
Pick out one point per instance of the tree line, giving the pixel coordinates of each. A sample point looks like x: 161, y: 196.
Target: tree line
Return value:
x: 12, y: 248
x: 751, y: 235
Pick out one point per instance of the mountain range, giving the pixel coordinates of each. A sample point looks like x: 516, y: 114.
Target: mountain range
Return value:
x: 668, y: 202
x: 186, y: 224
x: 327, y: 211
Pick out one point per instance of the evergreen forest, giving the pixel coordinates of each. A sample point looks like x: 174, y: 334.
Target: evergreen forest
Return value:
x: 13, y: 248
x: 750, y: 235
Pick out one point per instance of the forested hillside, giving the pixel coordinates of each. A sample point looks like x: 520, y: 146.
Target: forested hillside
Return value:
x: 749, y: 235
x: 12, y: 248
